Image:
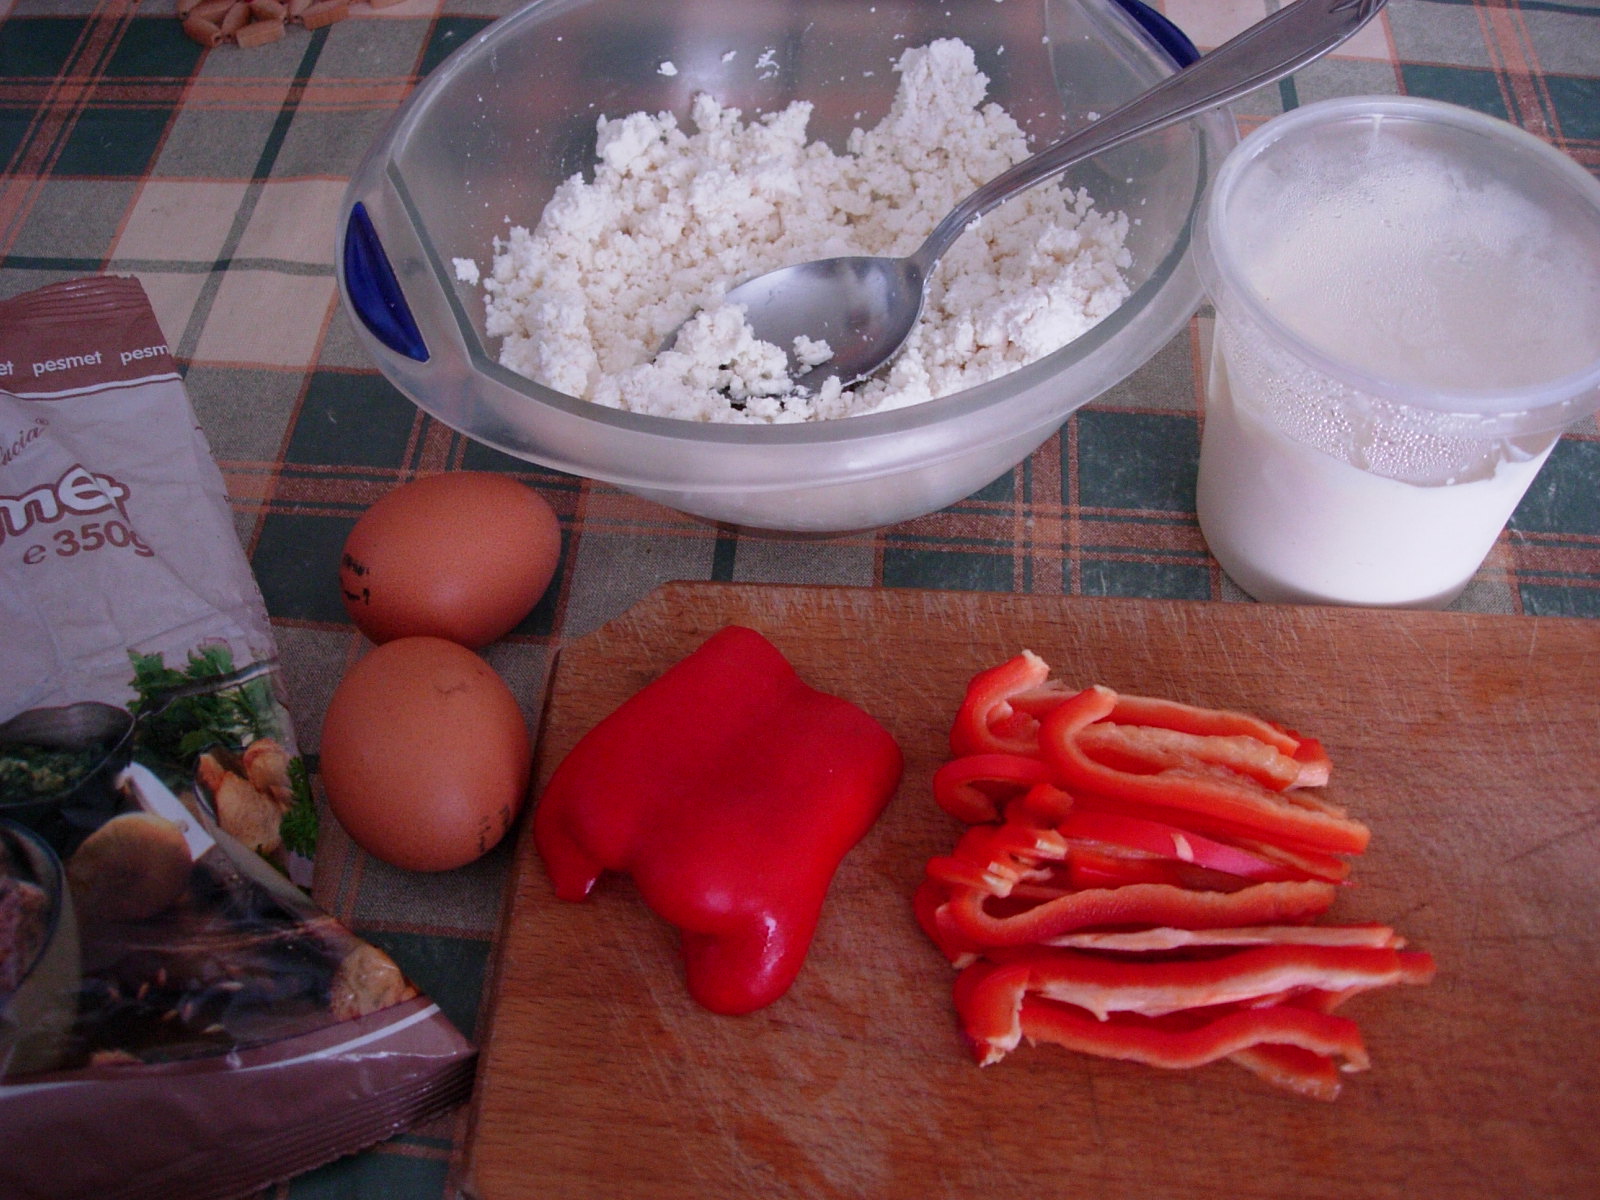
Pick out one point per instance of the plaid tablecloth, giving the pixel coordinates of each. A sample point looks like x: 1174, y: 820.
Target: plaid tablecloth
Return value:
x: 215, y: 177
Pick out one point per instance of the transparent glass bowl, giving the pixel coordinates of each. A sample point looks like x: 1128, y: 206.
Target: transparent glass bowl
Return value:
x: 510, y: 115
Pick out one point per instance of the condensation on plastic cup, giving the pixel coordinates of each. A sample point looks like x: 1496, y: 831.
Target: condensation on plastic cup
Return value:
x: 1407, y: 300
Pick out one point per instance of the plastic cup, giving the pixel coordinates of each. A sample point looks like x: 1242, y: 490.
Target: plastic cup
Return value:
x: 1407, y: 301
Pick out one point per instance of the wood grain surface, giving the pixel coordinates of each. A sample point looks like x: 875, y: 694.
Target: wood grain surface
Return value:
x: 1470, y: 744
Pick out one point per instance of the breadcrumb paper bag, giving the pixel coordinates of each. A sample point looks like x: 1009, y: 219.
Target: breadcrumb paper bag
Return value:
x: 177, y: 1017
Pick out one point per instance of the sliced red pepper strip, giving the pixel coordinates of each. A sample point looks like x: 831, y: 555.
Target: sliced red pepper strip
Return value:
x: 1144, y: 941
x: 996, y: 1011
x: 1103, y: 985
x: 1093, y: 866
x: 994, y: 859
x: 951, y: 870
x: 1035, y: 702
x: 1043, y: 805
x: 1419, y: 966
x: 1307, y: 1073
x: 1416, y: 967
x: 1293, y: 1068
x: 1312, y: 864
x: 1138, y: 904
x: 1204, y: 722
x: 1146, y: 749
x: 987, y: 722
x: 988, y: 998
x: 1309, y: 864
x: 730, y: 791
x: 1315, y: 765
x: 927, y: 905
x: 1170, y: 842
x: 1011, y: 843
x: 1178, y: 1044
x: 1089, y: 868
x: 976, y: 787
x: 1236, y: 805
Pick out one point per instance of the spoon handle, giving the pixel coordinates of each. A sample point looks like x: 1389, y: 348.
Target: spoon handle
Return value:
x: 1264, y: 53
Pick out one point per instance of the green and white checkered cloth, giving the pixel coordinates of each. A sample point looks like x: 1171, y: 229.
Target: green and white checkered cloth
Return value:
x: 215, y: 177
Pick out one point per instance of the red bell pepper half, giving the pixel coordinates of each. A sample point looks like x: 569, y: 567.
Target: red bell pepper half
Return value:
x: 730, y: 790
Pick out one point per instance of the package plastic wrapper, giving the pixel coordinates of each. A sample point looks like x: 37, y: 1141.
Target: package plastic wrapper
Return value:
x: 177, y: 1017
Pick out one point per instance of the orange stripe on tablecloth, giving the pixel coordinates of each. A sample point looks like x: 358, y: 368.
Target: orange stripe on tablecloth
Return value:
x: 1072, y: 522
x: 331, y: 490
x: 1000, y: 528
x: 268, y: 94
x: 315, y: 95
x: 1039, y: 523
x: 272, y: 487
x: 969, y: 527
x: 612, y: 513
x: 246, y: 482
x: 1575, y: 556
x: 989, y: 527
x: 1136, y: 531
x: 29, y: 93
x: 434, y: 451
x: 336, y: 94
x: 314, y: 490
x: 71, y: 93
x: 1506, y: 37
x: 63, y: 99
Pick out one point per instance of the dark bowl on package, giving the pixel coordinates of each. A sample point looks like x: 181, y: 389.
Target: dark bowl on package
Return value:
x: 497, y: 127
x: 39, y: 963
x: 59, y: 768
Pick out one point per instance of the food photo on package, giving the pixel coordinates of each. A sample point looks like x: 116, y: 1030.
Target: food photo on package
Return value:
x: 169, y: 991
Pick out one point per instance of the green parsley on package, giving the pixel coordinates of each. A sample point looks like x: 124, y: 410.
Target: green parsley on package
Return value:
x: 177, y: 1016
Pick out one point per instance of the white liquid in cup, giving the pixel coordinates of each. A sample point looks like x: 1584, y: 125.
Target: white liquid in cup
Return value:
x: 1398, y: 270
x: 1292, y: 524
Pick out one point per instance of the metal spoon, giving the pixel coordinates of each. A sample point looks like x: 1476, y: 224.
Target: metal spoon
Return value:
x: 865, y: 307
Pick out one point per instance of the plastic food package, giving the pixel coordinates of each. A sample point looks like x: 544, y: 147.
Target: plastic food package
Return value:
x: 172, y: 1005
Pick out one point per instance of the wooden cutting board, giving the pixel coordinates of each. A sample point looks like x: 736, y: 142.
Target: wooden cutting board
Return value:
x: 1470, y: 745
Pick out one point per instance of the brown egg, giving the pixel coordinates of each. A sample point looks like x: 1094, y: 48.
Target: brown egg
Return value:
x: 425, y: 755
x: 464, y: 556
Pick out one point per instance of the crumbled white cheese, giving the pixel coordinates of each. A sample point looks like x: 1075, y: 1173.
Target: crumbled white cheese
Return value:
x: 466, y: 270
x: 674, y: 217
x: 668, y: 68
x: 811, y: 352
